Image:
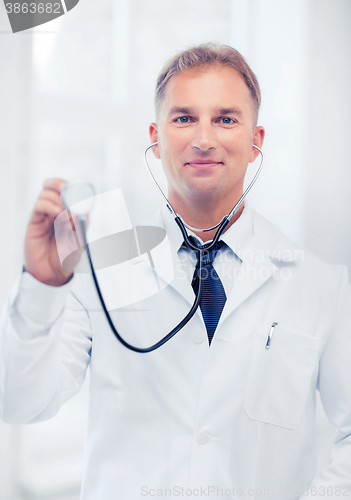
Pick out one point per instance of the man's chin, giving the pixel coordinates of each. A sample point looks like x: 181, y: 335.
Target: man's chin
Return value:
x: 205, y: 193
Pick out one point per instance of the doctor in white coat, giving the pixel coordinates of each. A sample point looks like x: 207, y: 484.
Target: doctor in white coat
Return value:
x: 191, y: 419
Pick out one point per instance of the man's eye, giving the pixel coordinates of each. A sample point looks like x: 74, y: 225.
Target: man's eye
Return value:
x: 183, y: 119
x: 227, y: 121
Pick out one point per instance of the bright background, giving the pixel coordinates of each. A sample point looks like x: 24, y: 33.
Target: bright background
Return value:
x: 76, y: 100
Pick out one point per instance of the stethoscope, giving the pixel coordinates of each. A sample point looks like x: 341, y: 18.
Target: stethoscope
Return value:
x: 207, y: 247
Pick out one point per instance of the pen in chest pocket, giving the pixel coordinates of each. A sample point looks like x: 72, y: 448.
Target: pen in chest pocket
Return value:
x: 270, y: 334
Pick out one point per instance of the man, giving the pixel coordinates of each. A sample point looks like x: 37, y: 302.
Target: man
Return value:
x: 226, y: 414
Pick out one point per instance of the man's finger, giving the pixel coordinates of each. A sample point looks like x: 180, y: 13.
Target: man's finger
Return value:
x: 51, y: 195
x: 45, y: 206
x: 54, y: 184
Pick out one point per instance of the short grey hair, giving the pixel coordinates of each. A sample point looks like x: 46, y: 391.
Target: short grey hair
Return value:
x: 207, y: 54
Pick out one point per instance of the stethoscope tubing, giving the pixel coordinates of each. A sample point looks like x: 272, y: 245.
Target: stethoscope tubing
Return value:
x: 173, y: 332
x: 233, y: 210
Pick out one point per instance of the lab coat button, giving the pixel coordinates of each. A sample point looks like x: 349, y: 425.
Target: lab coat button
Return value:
x: 198, y: 337
x: 202, y: 437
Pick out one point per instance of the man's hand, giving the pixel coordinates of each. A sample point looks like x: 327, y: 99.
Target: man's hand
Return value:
x: 40, y: 250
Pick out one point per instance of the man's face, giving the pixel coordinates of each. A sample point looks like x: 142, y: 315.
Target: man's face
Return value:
x: 205, y: 134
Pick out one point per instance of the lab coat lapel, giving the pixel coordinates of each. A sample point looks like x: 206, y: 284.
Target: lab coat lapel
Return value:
x: 255, y: 270
x: 180, y: 281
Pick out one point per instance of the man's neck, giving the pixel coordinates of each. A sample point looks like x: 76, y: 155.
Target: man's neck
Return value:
x: 203, y: 214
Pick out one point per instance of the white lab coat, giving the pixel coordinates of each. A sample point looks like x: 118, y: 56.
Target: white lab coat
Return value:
x: 234, y: 419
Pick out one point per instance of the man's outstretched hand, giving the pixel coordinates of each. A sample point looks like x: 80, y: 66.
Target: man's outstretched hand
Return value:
x: 41, y: 257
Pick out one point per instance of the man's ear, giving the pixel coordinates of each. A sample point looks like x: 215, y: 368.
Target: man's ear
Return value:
x: 258, y: 141
x: 154, y: 138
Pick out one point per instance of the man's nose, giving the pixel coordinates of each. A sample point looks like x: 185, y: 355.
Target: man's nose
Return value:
x: 204, y: 139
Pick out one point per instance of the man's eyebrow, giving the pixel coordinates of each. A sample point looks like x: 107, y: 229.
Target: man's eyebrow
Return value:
x: 229, y: 111
x: 188, y: 111
x: 176, y: 109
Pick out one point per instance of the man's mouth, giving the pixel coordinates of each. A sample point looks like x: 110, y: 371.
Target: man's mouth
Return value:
x: 200, y: 163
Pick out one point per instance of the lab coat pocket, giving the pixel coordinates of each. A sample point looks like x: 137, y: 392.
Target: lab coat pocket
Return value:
x: 280, y: 376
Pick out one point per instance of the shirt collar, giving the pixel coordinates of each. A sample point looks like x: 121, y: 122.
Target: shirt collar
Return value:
x: 238, y: 237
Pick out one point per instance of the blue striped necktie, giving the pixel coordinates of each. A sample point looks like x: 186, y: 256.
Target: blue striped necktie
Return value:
x: 213, y: 296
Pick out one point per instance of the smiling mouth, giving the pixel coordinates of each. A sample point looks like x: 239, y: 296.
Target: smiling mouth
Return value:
x: 203, y: 163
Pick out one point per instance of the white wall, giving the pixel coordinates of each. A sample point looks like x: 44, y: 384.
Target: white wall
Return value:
x: 327, y: 205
